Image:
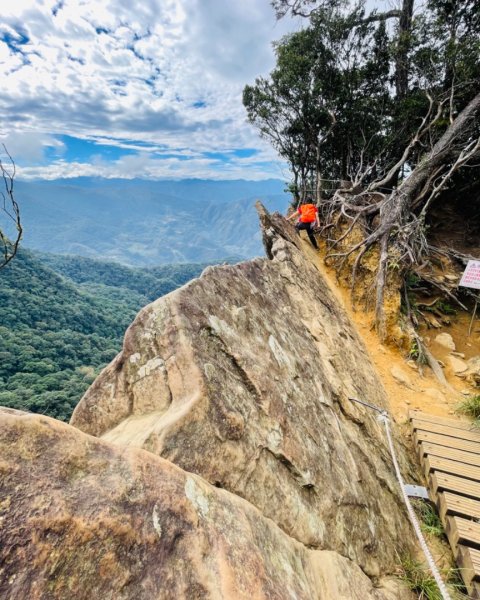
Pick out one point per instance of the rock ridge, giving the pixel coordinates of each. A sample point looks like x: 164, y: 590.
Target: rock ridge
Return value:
x: 243, y: 378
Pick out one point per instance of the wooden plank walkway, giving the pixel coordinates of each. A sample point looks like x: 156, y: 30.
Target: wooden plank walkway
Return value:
x: 449, y: 453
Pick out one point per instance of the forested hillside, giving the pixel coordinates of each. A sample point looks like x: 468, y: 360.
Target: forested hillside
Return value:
x: 148, y: 283
x: 58, y: 329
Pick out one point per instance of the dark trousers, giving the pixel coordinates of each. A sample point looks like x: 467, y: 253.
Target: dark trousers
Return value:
x: 309, y: 229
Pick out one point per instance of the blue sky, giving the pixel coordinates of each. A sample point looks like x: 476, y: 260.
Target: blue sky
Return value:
x: 116, y: 88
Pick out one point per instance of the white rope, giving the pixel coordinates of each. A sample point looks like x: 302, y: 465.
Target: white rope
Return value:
x: 383, y: 417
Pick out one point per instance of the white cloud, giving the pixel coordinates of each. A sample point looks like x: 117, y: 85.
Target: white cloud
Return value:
x: 232, y: 38
x: 30, y: 145
x: 133, y: 71
x: 145, y: 166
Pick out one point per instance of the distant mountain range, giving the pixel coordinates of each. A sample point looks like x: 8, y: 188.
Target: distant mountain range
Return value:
x: 144, y: 223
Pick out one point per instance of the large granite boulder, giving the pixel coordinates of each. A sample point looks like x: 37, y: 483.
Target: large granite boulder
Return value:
x: 84, y: 519
x: 243, y: 377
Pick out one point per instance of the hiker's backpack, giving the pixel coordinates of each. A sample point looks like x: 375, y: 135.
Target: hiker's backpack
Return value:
x: 308, y: 213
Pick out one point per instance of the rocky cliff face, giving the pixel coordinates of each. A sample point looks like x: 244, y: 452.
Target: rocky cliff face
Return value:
x: 243, y: 377
x: 239, y: 380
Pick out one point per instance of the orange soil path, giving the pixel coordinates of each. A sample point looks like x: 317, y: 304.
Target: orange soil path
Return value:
x: 422, y: 390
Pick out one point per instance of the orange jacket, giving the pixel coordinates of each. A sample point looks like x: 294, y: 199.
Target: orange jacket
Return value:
x: 308, y: 213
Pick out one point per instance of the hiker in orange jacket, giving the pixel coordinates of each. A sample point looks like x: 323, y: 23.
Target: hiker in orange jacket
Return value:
x: 307, y: 214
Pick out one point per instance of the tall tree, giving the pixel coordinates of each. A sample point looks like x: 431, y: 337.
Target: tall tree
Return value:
x: 320, y: 106
x: 403, y: 128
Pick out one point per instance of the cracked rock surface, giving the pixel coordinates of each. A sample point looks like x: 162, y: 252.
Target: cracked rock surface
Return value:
x: 242, y: 377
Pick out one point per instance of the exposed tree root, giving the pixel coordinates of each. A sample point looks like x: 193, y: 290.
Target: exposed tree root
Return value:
x: 395, y: 224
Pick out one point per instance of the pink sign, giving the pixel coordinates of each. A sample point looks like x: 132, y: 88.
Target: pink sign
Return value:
x: 471, y: 275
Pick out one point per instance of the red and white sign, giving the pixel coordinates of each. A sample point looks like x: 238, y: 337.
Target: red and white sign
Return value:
x: 471, y: 275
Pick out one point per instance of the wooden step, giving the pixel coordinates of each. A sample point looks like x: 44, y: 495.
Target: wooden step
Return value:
x: 475, y: 593
x: 445, y: 440
x: 445, y: 465
x: 463, y: 434
x: 453, y: 504
x: 468, y: 458
x: 449, y: 452
x: 468, y: 560
x: 464, y: 532
x: 458, y: 485
x: 457, y: 424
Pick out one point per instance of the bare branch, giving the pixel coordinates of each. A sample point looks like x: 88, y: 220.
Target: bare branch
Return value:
x: 424, y: 126
x: 465, y: 155
x: 390, y: 14
x: 298, y: 8
x: 10, y: 208
x: 295, y: 7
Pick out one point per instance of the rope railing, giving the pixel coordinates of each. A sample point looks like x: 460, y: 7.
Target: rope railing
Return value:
x: 384, y: 418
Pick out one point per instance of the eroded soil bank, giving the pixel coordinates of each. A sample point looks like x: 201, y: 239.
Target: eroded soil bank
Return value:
x: 410, y: 385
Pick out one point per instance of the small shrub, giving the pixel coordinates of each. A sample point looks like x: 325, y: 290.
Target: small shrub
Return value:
x: 416, y: 353
x: 418, y: 579
x: 470, y: 407
x: 446, y: 308
x: 430, y: 521
x: 412, y: 279
x: 440, y: 307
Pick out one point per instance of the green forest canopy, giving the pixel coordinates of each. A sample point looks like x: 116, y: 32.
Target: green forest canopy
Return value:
x: 62, y: 319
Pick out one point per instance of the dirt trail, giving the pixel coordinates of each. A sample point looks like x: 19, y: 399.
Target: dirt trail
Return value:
x: 420, y: 388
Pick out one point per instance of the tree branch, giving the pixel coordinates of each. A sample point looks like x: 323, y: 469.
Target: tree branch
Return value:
x: 390, y: 14
x: 11, y: 209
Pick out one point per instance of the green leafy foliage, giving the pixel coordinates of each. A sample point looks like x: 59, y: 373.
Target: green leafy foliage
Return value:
x: 328, y: 73
x: 348, y: 90
x: 418, y: 579
x: 414, y: 351
x: 58, y: 331
x: 446, y: 308
x: 430, y: 521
